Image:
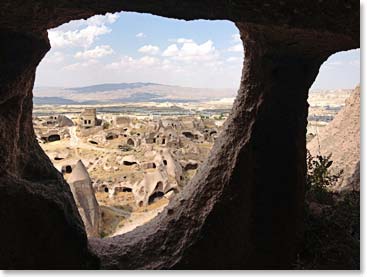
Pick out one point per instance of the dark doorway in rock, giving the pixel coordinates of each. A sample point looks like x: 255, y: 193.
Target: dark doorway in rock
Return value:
x: 68, y: 169
x: 188, y: 135
x: 155, y: 196
x: 159, y: 186
x: 53, y: 138
x: 130, y: 142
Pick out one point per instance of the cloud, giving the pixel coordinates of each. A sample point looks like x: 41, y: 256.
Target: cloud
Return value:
x: 148, y: 61
x: 237, y: 45
x: 236, y: 48
x: 192, y: 52
x: 109, y: 18
x: 140, y: 35
x: 97, y: 52
x: 80, y: 65
x: 184, y: 40
x: 128, y: 63
x: 236, y: 38
x: 171, y: 51
x: 234, y: 59
x: 181, y: 40
x: 82, y: 37
x: 149, y: 49
x: 54, y: 57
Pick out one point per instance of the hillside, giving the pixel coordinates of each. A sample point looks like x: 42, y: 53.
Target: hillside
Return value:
x: 341, y: 138
x: 134, y: 92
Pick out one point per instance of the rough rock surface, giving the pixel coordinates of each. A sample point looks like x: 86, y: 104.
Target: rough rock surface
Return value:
x: 83, y: 193
x: 244, y: 207
x: 341, y: 139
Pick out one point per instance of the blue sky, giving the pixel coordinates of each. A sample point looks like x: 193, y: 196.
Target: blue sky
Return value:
x: 132, y: 47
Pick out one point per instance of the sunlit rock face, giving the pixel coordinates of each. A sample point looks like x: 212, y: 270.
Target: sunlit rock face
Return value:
x: 81, y: 187
x: 164, y: 178
x: 244, y: 208
x: 341, y: 139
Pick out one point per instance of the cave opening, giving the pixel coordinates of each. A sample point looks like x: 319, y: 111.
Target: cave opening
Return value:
x: 128, y: 163
x: 53, y: 138
x: 282, y: 58
x: 155, y: 196
x: 130, y: 142
x: 112, y: 126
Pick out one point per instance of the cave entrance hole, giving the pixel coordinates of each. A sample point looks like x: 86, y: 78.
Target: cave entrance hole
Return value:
x: 166, y: 121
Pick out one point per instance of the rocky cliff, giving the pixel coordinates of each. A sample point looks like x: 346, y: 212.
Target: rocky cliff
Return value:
x: 341, y: 139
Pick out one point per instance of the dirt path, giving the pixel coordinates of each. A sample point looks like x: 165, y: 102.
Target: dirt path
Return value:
x: 137, y: 219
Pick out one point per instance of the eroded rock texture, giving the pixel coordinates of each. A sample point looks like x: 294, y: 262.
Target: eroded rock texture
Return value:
x: 244, y: 207
x: 83, y: 193
x: 41, y: 227
x: 341, y: 139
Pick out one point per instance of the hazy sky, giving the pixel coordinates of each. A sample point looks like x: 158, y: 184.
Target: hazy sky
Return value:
x: 132, y: 47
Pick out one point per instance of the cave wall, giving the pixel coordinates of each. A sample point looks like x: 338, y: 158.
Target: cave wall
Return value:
x: 243, y: 209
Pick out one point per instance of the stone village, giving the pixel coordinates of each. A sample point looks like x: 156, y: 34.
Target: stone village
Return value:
x: 123, y: 170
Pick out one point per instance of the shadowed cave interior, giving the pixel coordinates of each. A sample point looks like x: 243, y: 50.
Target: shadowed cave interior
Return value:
x: 244, y: 172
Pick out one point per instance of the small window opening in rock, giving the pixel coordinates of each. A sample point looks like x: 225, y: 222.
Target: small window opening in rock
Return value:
x: 165, y: 162
x: 68, y: 169
x: 128, y: 163
x: 130, y: 142
x: 106, y: 189
x: 159, y: 186
x: 188, y: 135
x: 53, y: 138
x: 126, y: 189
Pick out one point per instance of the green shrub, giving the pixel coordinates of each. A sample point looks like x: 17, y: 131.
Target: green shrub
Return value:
x: 332, y: 235
x: 105, y: 125
x: 320, y: 179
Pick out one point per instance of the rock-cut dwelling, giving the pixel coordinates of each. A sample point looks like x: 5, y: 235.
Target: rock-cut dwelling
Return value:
x: 82, y: 190
x: 88, y: 118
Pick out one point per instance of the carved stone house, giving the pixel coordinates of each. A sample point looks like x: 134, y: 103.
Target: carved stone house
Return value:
x: 88, y: 118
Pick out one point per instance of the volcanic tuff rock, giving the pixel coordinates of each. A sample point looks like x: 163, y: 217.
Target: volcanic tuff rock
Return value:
x: 341, y: 139
x: 243, y: 209
x: 81, y: 187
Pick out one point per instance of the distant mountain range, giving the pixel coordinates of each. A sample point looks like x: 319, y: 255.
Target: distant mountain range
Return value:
x: 110, y: 87
x: 126, y: 92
